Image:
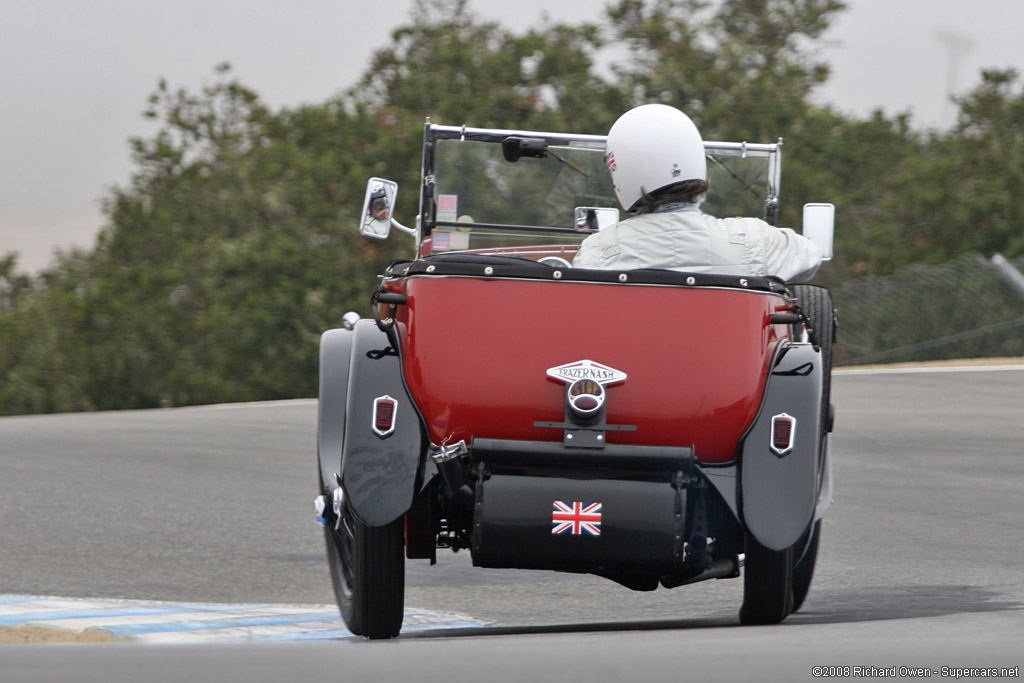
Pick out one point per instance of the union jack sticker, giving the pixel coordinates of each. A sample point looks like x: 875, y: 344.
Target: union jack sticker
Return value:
x: 576, y: 518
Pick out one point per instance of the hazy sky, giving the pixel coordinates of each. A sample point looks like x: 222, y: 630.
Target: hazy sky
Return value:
x: 75, y: 75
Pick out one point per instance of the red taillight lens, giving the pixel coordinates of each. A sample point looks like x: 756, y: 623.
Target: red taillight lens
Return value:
x: 783, y: 431
x: 384, y: 409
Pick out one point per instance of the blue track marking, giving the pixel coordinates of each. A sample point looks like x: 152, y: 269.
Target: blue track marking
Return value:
x: 165, y: 622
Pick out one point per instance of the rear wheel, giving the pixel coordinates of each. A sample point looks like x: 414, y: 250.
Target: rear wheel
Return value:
x: 767, y: 584
x: 368, y: 571
x: 816, y: 303
x: 803, y: 570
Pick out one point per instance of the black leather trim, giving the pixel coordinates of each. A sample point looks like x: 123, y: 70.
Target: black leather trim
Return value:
x: 477, y: 265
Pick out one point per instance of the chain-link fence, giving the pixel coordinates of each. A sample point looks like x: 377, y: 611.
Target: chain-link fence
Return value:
x: 962, y: 309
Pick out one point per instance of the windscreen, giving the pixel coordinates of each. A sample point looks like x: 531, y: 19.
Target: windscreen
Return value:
x: 531, y: 192
x: 484, y: 201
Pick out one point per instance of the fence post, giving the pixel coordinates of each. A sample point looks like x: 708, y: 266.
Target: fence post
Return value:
x: 1008, y: 272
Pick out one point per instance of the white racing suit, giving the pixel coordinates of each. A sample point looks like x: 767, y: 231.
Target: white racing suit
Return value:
x: 688, y: 240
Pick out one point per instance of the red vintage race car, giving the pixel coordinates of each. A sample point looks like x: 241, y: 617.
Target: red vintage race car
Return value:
x: 648, y: 426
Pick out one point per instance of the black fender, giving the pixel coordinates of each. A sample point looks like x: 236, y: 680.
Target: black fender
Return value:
x: 379, y: 473
x: 335, y: 358
x: 778, y: 493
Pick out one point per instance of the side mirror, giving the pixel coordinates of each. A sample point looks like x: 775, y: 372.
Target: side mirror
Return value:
x: 378, y: 207
x: 819, y: 225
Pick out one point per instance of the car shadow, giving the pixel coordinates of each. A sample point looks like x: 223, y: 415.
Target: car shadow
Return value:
x: 882, y: 603
x: 829, y: 606
x: 590, y: 627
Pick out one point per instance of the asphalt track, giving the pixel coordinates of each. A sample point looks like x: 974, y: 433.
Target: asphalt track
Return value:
x: 920, y: 564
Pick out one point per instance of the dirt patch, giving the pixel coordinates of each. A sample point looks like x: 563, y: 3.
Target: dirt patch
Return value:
x: 34, y: 634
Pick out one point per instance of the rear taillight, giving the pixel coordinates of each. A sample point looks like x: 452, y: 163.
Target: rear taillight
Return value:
x: 586, y: 397
x: 783, y: 433
x: 384, y: 410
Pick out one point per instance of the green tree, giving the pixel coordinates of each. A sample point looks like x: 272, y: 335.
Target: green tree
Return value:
x: 743, y: 69
x: 911, y: 197
x: 960, y: 196
x: 229, y: 252
x: 449, y: 65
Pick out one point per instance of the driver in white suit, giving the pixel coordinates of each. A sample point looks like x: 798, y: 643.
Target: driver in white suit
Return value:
x: 658, y: 166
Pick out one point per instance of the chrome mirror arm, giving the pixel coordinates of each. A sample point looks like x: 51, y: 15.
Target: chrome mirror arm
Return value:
x: 398, y: 226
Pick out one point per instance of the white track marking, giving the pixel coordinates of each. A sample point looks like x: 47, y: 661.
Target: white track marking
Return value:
x: 254, y: 404
x: 925, y: 370
x: 170, y: 622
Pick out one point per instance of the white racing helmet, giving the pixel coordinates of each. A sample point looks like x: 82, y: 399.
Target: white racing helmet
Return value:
x: 650, y: 148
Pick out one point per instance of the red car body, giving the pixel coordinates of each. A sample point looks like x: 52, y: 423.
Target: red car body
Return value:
x: 697, y: 360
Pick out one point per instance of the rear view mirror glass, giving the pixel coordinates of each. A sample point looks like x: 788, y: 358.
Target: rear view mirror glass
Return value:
x: 378, y: 208
x: 819, y: 225
x: 594, y: 218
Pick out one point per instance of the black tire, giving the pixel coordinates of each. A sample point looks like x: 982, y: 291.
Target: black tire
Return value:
x: 368, y: 572
x: 767, y: 584
x: 816, y: 303
x: 803, y: 570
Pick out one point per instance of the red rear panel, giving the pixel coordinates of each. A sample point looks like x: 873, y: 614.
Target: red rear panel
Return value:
x: 476, y: 354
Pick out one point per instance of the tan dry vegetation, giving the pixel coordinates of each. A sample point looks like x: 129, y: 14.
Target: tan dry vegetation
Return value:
x: 35, y: 634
